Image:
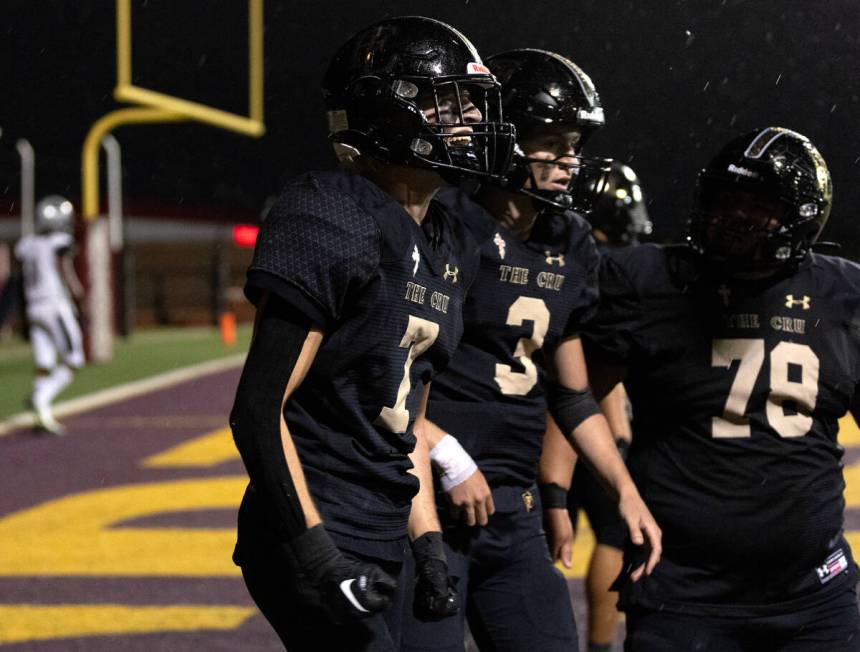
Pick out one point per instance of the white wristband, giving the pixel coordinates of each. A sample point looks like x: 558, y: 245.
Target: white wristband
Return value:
x: 452, y: 460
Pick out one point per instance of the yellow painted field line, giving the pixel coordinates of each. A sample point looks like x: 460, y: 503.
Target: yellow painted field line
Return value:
x: 83, y: 534
x: 32, y: 622
x: 207, y: 450
x: 849, y: 433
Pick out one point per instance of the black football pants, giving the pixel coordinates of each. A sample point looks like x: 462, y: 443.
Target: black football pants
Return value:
x: 303, y: 628
x: 833, y: 626
x: 509, y: 589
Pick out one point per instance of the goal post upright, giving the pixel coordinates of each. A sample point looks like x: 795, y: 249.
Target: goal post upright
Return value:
x: 149, y: 106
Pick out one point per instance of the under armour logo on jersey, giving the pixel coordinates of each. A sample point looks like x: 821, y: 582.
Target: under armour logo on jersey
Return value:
x: 725, y: 293
x: 791, y: 301
x: 417, y: 258
x: 500, y: 243
x: 451, y: 273
x: 554, y: 259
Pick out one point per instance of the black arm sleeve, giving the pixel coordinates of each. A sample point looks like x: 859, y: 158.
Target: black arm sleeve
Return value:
x: 256, y: 414
x: 570, y: 407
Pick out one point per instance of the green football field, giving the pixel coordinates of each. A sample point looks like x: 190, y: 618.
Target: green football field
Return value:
x: 146, y: 353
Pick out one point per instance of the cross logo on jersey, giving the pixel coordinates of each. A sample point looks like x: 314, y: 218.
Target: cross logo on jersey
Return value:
x: 791, y: 301
x: 417, y: 258
x: 451, y: 273
x: 500, y: 243
x: 554, y: 259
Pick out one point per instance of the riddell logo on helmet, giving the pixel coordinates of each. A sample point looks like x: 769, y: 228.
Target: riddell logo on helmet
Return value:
x: 743, y: 171
x: 473, y: 68
x: 592, y: 115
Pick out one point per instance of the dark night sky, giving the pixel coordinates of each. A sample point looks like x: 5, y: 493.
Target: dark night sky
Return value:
x: 677, y: 79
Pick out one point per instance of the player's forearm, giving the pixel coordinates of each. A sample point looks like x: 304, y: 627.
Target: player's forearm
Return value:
x: 76, y: 288
x: 557, y: 459
x: 596, y: 447
x: 272, y: 462
x: 433, y: 434
x: 604, y: 377
x: 422, y: 517
x: 281, y: 354
x: 614, y: 408
x: 312, y: 516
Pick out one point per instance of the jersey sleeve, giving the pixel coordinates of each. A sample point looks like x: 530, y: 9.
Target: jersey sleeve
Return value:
x: 62, y: 242
x: 316, y: 250
x: 588, y: 259
x: 22, y: 248
x: 611, y: 333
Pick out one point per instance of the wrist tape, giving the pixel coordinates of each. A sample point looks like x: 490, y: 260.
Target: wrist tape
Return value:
x: 455, y: 465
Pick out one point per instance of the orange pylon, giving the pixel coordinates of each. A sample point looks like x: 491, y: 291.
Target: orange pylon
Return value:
x: 227, y: 324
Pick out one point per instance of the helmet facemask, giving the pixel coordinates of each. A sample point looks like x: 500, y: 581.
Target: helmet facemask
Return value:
x: 567, y: 181
x: 451, y: 125
x: 461, y: 128
x: 742, y: 229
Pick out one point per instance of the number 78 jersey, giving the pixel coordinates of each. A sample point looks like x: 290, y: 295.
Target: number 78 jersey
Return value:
x: 736, y: 389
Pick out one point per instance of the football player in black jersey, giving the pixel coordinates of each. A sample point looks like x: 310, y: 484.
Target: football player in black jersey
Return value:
x: 619, y: 218
x: 486, y: 417
x: 739, y: 352
x: 359, y: 282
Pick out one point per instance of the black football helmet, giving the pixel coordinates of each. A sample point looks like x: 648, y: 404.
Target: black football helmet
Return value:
x: 619, y: 210
x: 541, y: 88
x: 384, y: 82
x: 761, y: 202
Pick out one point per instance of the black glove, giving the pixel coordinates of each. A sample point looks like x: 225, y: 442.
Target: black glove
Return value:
x: 435, y: 595
x: 344, y: 588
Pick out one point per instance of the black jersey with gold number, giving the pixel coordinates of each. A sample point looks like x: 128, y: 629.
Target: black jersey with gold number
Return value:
x: 527, y: 297
x: 737, y: 387
x: 388, y: 295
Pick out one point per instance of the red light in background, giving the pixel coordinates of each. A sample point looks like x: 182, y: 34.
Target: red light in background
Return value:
x: 245, y: 235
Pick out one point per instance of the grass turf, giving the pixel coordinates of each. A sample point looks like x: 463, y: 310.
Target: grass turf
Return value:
x: 144, y: 354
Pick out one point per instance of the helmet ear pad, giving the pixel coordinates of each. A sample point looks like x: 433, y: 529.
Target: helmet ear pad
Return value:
x: 373, y: 124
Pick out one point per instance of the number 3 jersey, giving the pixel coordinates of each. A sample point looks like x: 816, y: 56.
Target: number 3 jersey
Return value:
x: 528, y: 297
x: 388, y: 294
x: 737, y: 387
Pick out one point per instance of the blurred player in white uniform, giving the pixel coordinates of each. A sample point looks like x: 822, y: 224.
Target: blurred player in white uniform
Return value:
x: 51, y: 292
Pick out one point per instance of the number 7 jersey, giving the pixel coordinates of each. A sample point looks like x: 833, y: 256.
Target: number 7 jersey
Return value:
x: 737, y: 387
x: 388, y: 295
